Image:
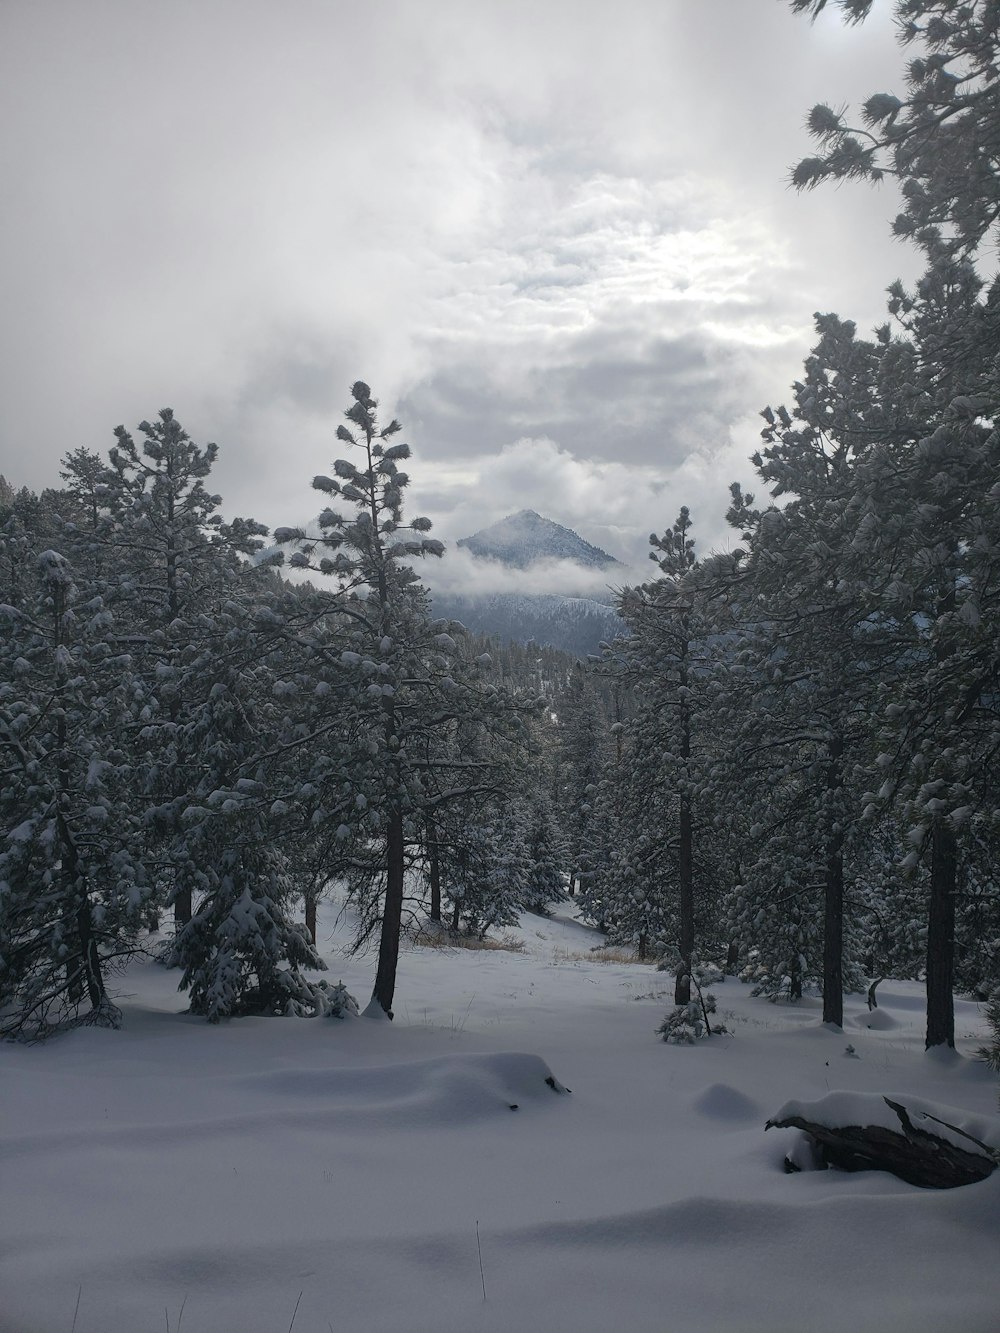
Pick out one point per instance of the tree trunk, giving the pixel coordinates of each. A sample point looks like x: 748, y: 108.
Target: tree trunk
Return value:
x: 182, y: 908
x: 732, y: 958
x: 311, y: 916
x: 833, y: 896
x: 89, y: 951
x: 682, y: 986
x: 392, y: 915
x: 685, y: 843
x: 833, y: 941
x: 89, y: 972
x: 941, y: 938
x: 435, y: 872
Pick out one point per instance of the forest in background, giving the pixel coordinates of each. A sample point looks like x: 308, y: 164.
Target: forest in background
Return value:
x: 786, y: 767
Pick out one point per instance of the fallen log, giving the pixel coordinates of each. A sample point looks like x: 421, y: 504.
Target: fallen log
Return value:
x: 857, y: 1132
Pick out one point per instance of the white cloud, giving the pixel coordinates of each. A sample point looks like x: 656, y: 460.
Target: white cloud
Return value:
x: 614, y: 505
x: 565, y: 220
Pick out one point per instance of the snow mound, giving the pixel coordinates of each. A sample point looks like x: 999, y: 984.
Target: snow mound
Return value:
x: 877, y: 1021
x: 721, y: 1101
x: 446, y: 1089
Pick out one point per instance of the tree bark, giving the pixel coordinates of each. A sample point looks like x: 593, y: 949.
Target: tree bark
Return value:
x: 685, y: 846
x: 833, y: 941
x: 392, y: 915
x: 91, y: 956
x: 941, y: 938
x: 682, y: 986
x: 182, y: 908
x: 434, y: 871
x: 833, y: 897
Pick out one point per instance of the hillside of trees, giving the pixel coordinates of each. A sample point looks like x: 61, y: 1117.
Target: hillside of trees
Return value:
x: 787, y: 766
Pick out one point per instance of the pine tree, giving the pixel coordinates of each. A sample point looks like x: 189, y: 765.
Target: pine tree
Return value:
x: 241, y: 951
x: 545, y: 850
x: 405, y: 684
x: 581, y: 757
x: 73, y: 888
x: 173, y: 563
x: 927, y: 535
x: 939, y: 140
x: 672, y: 625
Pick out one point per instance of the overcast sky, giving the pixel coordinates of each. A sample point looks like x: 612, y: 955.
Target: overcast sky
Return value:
x: 555, y: 236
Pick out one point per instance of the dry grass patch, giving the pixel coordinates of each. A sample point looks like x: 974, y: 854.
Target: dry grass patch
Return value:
x: 443, y: 939
x: 607, y: 953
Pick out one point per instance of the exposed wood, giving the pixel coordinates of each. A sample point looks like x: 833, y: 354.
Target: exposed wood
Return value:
x: 912, y: 1153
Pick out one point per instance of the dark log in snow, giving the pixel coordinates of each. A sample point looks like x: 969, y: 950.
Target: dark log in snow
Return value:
x: 913, y: 1144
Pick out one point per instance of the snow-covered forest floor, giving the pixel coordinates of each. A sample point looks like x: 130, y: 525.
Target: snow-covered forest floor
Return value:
x: 334, y: 1173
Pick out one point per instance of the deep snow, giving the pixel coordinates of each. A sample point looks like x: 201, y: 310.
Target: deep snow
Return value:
x: 229, y: 1169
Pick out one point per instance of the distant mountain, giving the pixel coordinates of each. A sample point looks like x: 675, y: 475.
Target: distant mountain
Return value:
x: 522, y: 539
x: 574, y: 624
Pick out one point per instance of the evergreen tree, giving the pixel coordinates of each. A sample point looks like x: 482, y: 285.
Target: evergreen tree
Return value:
x: 582, y: 754
x: 405, y: 685
x: 925, y: 545
x: 940, y: 139
x: 174, y: 568
x: 673, y: 625
x: 73, y: 888
x: 545, y: 850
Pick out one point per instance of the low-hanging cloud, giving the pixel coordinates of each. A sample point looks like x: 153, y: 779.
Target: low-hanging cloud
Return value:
x: 613, y: 505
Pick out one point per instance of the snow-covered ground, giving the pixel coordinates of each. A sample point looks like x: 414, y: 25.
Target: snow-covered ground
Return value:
x: 329, y: 1175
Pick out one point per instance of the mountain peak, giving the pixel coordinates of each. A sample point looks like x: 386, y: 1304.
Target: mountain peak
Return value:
x: 523, y: 538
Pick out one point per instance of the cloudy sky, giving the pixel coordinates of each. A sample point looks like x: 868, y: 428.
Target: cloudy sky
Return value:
x: 555, y: 236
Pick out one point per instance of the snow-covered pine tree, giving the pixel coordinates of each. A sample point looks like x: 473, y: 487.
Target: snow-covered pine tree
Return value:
x: 582, y: 753
x: 807, y: 668
x: 406, y: 683
x: 73, y: 888
x: 545, y: 849
x: 200, y: 710
x: 674, y: 628
x: 174, y: 562
x: 939, y: 139
x: 928, y: 535
x: 485, y: 869
x: 241, y: 951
